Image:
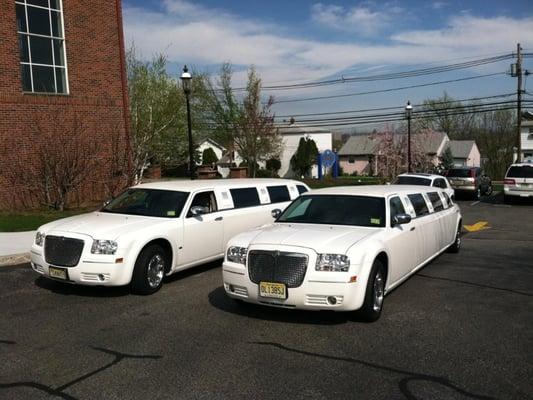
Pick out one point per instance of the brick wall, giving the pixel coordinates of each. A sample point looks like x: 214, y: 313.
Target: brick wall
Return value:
x: 94, y: 53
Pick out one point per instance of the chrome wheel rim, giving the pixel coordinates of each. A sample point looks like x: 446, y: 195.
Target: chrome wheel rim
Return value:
x: 458, y: 238
x: 379, y: 289
x: 156, y: 270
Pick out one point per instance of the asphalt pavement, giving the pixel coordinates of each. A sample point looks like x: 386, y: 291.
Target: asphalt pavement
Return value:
x: 462, y: 328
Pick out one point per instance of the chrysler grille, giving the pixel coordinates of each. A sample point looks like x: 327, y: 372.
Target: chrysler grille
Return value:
x: 277, y: 266
x: 62, y: 251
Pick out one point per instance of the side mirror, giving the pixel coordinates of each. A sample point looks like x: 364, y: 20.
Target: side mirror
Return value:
x: 275, y: 213
x: 199, y: 210
x: 401, y: 219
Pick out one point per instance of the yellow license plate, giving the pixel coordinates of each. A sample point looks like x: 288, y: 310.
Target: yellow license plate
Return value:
x: 58, y: 273
x: 272, y: 290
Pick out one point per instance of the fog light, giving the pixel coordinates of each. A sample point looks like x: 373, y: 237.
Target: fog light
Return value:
x: 101, y: 277
x: 231, y: 288
x: 332, y: 300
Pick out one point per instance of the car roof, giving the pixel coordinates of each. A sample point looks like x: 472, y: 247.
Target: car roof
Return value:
x: 421, y: 175
x: 191, y: 185
x: 373, y: 190
x: 524, y: 164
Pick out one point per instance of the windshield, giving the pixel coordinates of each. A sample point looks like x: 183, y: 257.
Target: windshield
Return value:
x: 148, y: 202
x: 336, y: 210
x: 459, y: 173
x: 524, y: 171
x: 412, y: 180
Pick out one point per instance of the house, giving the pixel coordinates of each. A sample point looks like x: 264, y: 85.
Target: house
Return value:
x: 465, y: 153
x: 212, y: 144
x: 61, y: 61
x: 291, y: 134
x: 526, y: 136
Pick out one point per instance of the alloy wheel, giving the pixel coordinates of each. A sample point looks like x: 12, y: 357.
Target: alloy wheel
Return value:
x: 156, y: 270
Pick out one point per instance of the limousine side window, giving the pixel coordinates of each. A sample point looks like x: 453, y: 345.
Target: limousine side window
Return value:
x: 396, y: 207
x: 419, y: 204
x: 204, y: 199
x: 301, y: 189
x: 278, y: 194
x: 448, y: 200
x: 436, y: 201
x: 439, y: 182
x: 245, y: 197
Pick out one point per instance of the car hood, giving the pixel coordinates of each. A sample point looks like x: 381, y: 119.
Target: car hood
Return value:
x: 321, y: 238
x: 101, y: 225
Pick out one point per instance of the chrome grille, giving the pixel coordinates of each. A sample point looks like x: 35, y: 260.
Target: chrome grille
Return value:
x: 277, y: 266
x: 62, y: 251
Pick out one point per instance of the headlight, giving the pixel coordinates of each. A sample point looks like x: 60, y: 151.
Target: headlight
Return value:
x: 332, y: 262
x: 39, y: 239
x: 104, y: 247
x: 237, y: 254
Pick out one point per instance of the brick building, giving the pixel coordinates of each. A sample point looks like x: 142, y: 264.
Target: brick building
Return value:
x: 63, y: 100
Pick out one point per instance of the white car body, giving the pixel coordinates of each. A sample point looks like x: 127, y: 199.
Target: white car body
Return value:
x: 431, y: 180
x: 403, y: 248
x: 191, y: 240
x: 519, y: 180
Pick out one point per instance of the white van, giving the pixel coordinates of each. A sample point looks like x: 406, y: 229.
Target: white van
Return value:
x: 155, y: 229
x: 518, y: 182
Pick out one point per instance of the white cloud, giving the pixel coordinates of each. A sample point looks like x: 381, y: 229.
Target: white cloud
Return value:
x: 360, y: 19
x: 192, y: 34
x: 437, y: 5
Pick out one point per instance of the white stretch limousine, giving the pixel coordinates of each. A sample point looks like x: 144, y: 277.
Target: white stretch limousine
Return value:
x: 155, y: 229
x: 342, y: 248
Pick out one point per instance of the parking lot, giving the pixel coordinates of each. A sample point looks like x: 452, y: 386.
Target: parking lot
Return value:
x: 462, y: 328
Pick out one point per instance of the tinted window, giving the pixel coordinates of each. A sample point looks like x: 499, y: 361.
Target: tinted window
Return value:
x: 524, y: 171
x: 278, y: 194
x: 439, y: 182
x: 245, y: 197
x: 396, y: 207
x: 436, y: 201
x: 336, y: 210
x: 419, y: 204
x: 301, y: 189
x: 204, y: 199
x: 412, y: 180
x: 148, y: 202
x: 459, y: 173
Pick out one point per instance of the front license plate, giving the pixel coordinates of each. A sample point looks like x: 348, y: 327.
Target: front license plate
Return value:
x: 272, y: 290
x: 58, y: 273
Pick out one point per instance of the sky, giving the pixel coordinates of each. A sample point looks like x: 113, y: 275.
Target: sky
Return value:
x: 295, y: 41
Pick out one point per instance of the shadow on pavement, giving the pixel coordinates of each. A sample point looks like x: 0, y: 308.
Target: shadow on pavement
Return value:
x: 219, y: 300
x: 68, y: 289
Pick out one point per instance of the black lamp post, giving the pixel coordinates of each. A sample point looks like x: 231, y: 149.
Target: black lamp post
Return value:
x: 186, y: 79
x: 408, y: 109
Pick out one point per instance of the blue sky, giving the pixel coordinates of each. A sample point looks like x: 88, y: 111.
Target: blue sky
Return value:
x: 299, y: 41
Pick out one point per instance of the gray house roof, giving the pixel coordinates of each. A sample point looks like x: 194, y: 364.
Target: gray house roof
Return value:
x: 361, y: 145
x: 461, y: 148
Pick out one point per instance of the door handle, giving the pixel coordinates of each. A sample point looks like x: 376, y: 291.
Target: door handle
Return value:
x: 412, y: 228
x: 219, y: 218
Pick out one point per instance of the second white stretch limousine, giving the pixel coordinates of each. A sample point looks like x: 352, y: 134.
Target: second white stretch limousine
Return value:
x: 342, y: 248
x: 155, y: 229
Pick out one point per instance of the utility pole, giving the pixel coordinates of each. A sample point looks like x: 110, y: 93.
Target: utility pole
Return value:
x: 519, y: 102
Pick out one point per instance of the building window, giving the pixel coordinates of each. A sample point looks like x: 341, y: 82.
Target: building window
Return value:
x: 42, y: 46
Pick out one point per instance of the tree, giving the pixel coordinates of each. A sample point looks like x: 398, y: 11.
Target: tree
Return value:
x: 446, y: 159
x: 304, y: 157
x: 273, y: 165
x: 209, y: 157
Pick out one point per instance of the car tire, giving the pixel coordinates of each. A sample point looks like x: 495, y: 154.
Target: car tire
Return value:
x: 488, y: 192
x: 149, y: 270
x: 375, y: 292
x: 456, y: 246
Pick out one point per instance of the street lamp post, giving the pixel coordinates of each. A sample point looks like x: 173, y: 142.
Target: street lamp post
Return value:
x: 186, y: 79
x: 408, y: 109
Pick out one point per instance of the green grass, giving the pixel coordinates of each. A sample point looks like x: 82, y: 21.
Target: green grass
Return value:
x: 32, y: 220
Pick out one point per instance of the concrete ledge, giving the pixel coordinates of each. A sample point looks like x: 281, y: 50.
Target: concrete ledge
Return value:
x: 14, y: 259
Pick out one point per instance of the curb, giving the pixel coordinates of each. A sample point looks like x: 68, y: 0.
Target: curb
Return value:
x: 14, y: 259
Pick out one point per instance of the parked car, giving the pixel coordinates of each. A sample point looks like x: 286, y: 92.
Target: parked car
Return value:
x: 342, y: 248
x: 470, y: 181
x: 426, y: 180
x: 518, y: 182
x: 156, y: 229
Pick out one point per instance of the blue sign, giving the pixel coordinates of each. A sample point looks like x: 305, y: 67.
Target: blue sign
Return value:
x: 328, y: 158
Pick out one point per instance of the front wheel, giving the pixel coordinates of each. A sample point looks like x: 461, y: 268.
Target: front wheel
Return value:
x: 149, y: 270
x: 375, y: 292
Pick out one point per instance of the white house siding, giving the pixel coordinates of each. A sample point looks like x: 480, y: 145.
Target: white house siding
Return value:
x: 526, y: 138
x: 323, y: 142
x: 208, y: 144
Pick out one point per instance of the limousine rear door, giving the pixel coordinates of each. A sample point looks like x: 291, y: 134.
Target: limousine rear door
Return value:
x: 202, y: 233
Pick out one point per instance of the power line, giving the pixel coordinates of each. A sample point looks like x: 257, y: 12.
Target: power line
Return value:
x: 397, y: 107
x: 386, y: 90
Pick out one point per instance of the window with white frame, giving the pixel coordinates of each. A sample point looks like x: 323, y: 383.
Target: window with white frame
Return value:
x: 42, y: 46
